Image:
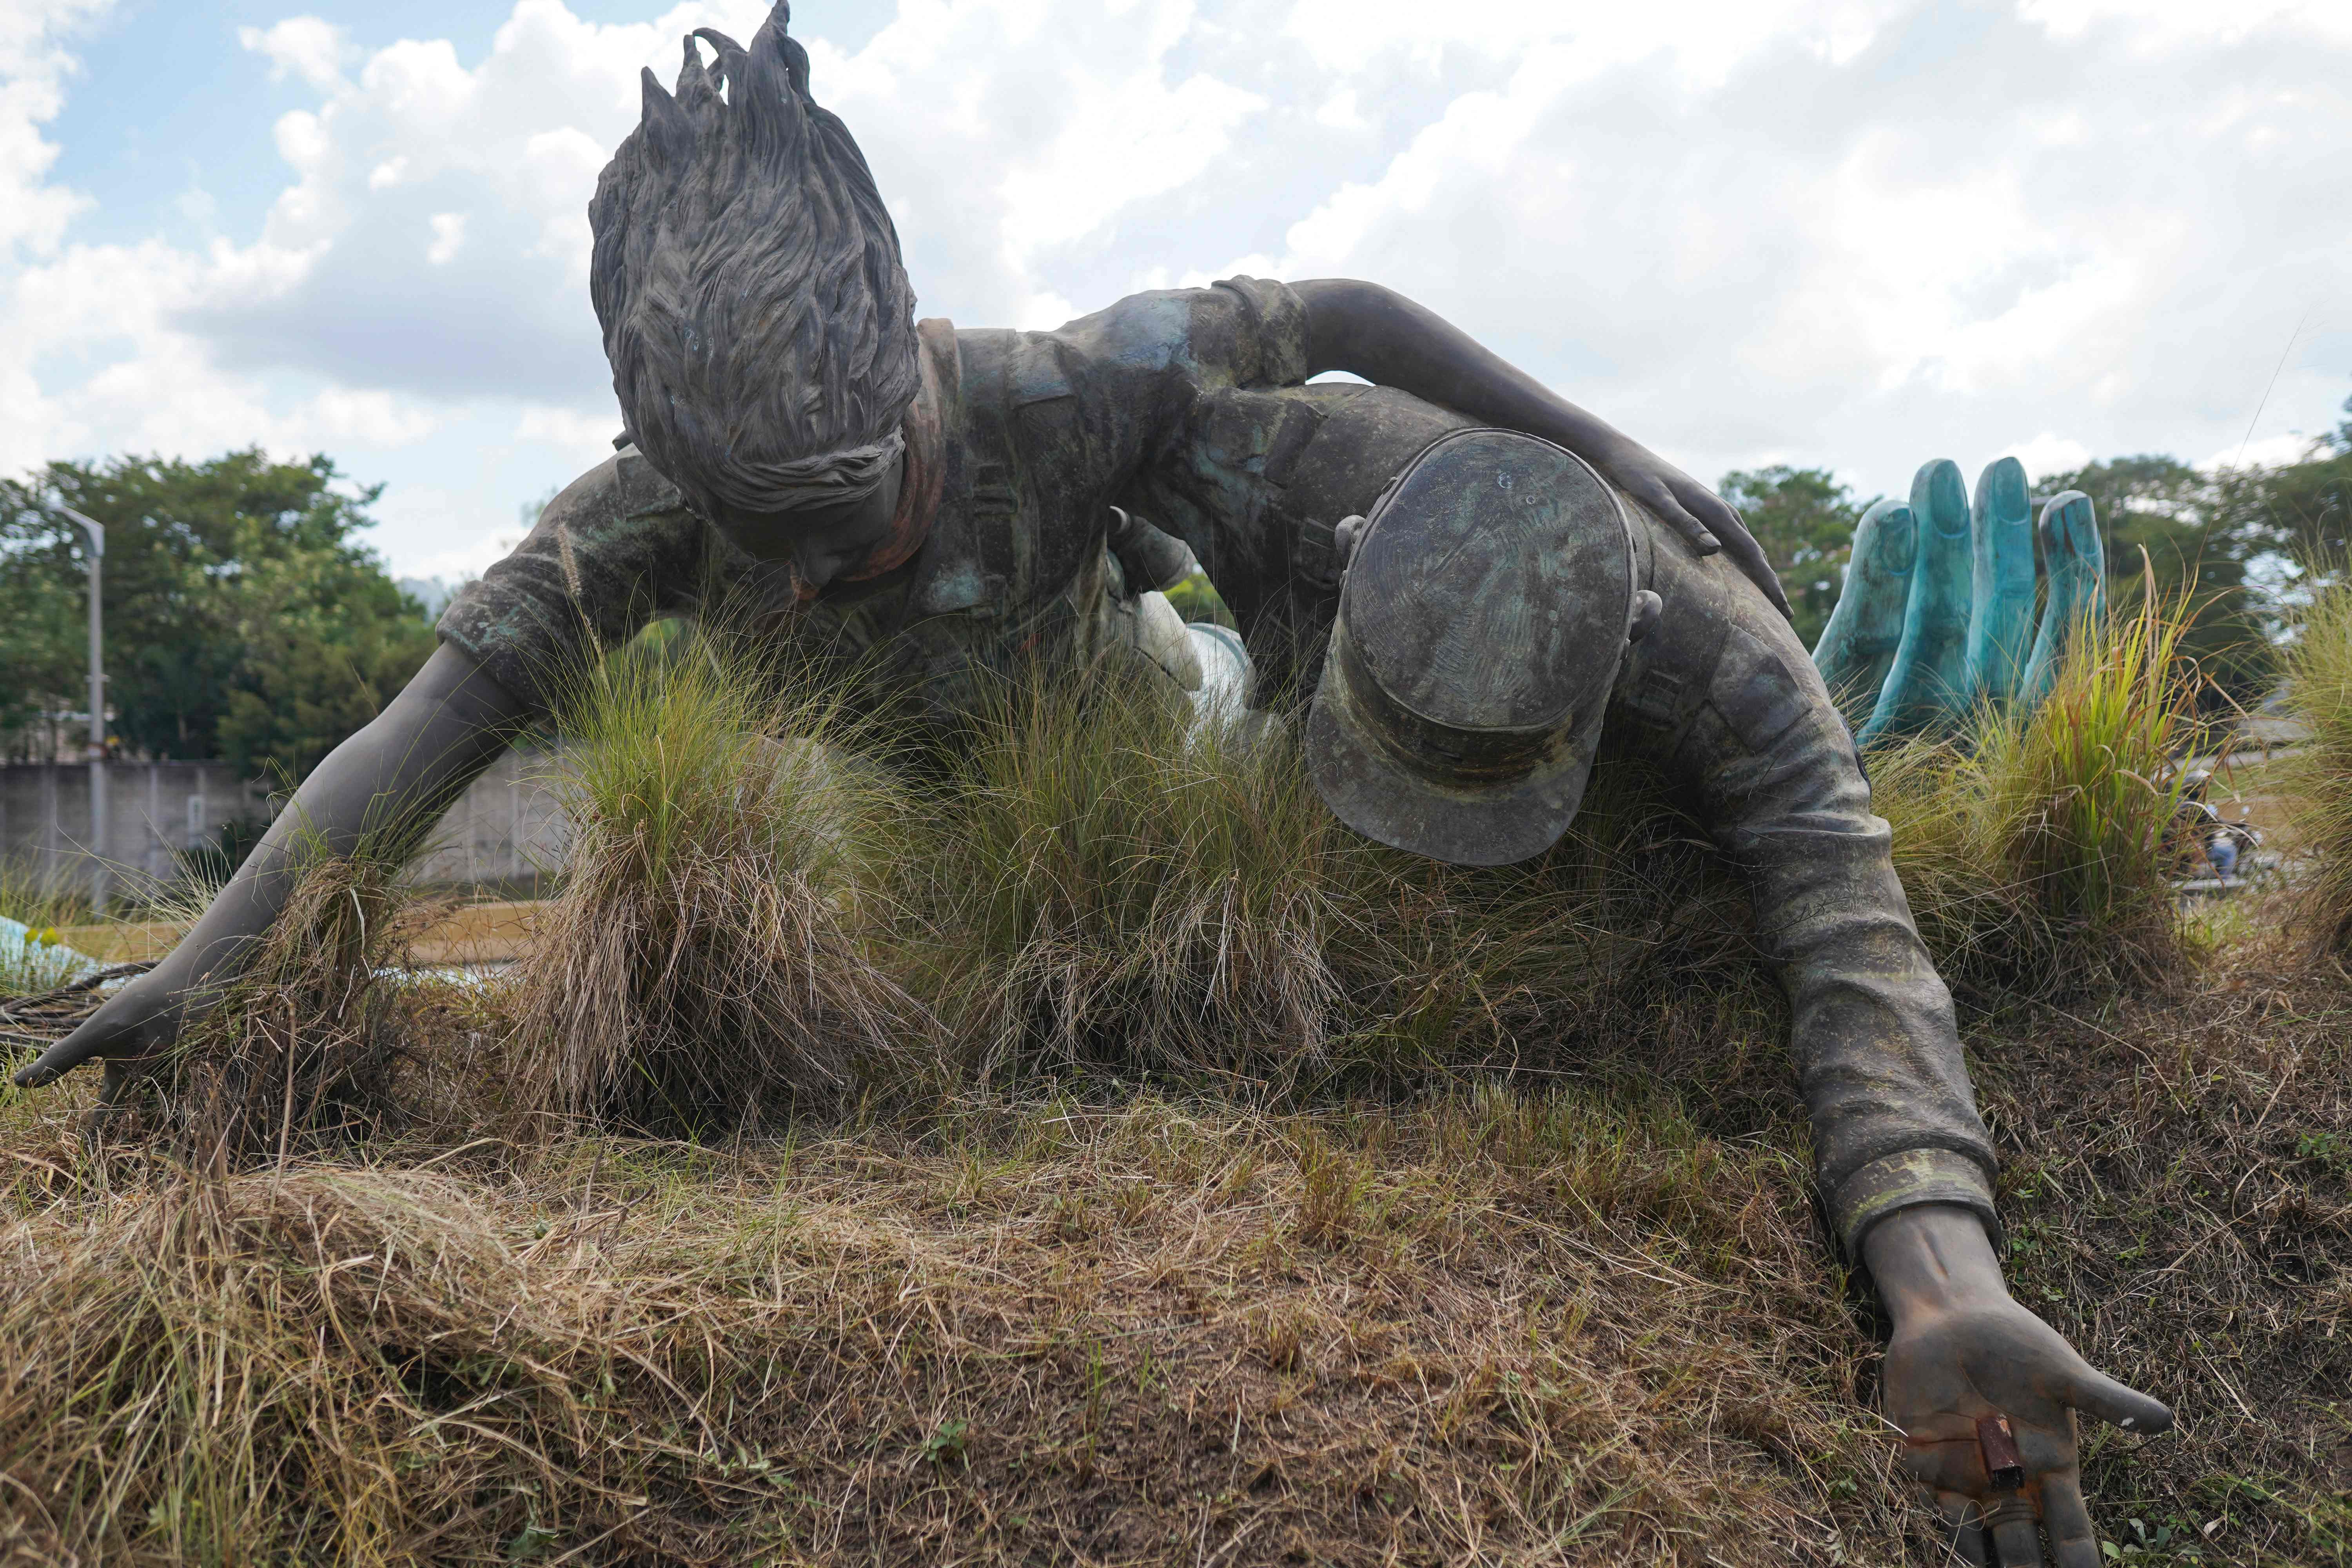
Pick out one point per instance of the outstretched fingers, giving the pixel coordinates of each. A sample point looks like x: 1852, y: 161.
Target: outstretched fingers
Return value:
x: 112, y: 1033
x: 2094, y: 1392
x: 59, y: 1059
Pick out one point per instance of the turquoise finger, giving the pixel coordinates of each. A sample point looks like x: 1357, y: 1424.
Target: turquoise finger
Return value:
x: 1866, y: 626
x: 1927, y: 684
x: 2000, y: 619
x: 2074, y: 562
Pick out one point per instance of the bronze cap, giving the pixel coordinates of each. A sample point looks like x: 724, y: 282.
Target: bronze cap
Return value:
x: 1482, y: 621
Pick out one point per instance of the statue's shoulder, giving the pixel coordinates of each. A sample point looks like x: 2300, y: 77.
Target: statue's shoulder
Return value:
x: 621, y: 491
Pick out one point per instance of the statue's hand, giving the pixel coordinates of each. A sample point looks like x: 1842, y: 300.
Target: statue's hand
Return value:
x: 134, y: 1026
x: 1698, y: 513
x: 1965, y: 1357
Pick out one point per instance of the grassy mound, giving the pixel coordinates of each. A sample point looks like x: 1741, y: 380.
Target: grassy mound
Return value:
x: 1494, y: 1327
x: 1504, y: 1324
x: 1462, y: 1217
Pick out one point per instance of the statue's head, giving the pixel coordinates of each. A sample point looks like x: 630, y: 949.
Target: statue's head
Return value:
x: 747, y: 276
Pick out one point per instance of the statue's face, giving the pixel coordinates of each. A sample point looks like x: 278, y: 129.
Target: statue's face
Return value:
x: 822, y: 547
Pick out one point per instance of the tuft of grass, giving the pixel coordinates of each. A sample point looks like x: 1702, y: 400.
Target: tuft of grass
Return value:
x: 302, y: 1049
x: 2038, y: 855
x: 1112, y: 895
x: 705, y: 964
x: 2318, y: 773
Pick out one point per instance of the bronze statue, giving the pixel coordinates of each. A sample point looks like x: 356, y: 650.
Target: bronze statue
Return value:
x: 930, y: 502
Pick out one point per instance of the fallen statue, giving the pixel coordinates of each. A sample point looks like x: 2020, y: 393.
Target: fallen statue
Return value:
x: 1462, y: 582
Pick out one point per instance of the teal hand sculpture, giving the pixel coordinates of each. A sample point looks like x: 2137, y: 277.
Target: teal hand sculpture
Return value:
x: 1927, y: 684
x: 2075, y: 563
x: 1938, y: 611
x: 2000, y: 619
x: 1866, y: 626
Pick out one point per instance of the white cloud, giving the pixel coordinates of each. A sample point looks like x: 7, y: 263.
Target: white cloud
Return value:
x: 448, y: 239
x: 1760, y: 249
x: 432, y: 531
x: 2167, y: 23
x: 33, y: 69
x: 1701, y: 39
x: 586, y: 438
x: 2263, y: 453
x: 304, y: 46
x: 2048, y: 453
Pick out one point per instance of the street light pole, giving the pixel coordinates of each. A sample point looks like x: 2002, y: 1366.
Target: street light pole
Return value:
x: 97, y: 708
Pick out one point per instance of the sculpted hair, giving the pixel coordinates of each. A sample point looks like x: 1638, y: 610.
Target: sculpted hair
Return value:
x: 757, y: 316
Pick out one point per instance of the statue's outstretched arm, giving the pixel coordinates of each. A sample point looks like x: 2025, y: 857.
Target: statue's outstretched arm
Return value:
x: 388, y: 784
x: 1985, y: 1393
x: 1377, y: 333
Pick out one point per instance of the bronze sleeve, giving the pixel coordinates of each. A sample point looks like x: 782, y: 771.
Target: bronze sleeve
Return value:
x: 1734, y: 703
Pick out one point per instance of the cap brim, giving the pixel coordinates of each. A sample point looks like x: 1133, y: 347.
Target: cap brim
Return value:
x: 1499, y: 824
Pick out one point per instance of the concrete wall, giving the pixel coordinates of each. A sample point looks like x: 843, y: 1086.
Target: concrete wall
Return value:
x: 154, y: 810
x: 506, y: 829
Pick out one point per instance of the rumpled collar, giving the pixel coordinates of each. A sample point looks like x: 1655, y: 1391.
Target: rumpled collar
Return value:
x: 925, y: 481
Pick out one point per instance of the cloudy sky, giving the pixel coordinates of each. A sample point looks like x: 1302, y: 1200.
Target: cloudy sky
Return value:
x: 1854, y: 233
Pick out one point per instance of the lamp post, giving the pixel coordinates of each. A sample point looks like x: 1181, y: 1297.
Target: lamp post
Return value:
x: 97, y: 708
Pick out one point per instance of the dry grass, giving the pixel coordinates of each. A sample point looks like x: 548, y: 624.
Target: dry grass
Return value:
x: 1499, y: 1325
x: 2175, y: 1178
x: 1495, y: 1329
x: 303, y: 1048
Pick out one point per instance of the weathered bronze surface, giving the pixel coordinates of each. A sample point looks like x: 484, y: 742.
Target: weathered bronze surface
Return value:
x: 919, y: 506
x: 1482, y: 618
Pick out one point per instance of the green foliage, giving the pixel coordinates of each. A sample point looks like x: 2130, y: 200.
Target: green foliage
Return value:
x: 1106, y: 895
x: 244, y: 619
x: 1805, y: 520
x: 324, y: 644
x: 1110, y: 894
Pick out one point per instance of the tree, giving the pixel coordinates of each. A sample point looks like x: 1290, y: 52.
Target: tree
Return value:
x: 243, y: 618
x: 1805, y: 520
x: 2191, y: 535
x: 2211, y: 538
